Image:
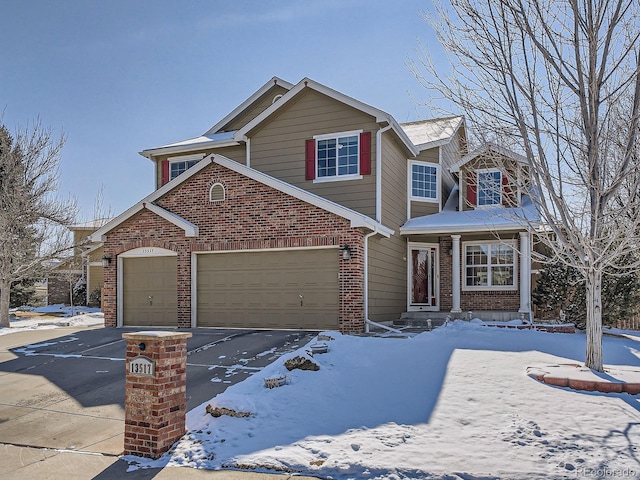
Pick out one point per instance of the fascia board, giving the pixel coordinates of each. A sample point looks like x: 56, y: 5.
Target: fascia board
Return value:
x: 190, y: 229
x: 99, y: 235
x: 460, y: 229
x: 240, y: 108
x: 187, y: 148
x: 356, y: 219
x: 378, y: 114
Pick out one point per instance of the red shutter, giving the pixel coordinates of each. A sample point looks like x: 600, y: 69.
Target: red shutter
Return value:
x: 508, y: 196
x: 472, y: 188
x: 165, y: 171
x: 310, y: 159
x: 365, y: 153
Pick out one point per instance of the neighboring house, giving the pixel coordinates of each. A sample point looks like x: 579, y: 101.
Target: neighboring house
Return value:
x: 85, y: 263
x: 305, y: 208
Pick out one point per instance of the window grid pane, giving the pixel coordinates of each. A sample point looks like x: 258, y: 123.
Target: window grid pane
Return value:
x: 424, y: 181
x: 489, y: 188
x: 178, y: 168
x: 490, y: 265
x: 338, y: 156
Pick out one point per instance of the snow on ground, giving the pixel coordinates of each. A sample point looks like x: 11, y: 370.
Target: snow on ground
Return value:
x: 52, y: 316
x: 455, y: 403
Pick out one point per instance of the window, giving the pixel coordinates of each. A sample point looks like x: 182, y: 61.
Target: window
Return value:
x: 489, y: 187
x: 338, y: 156
x: 217, y: 193
x: 490, y: 266
x: 424, y: 181
x: 178, y: 167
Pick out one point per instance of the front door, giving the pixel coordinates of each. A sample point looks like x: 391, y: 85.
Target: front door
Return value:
x: 423, y: 277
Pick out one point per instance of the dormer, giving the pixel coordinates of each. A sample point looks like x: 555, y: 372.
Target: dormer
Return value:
x: 441, y: 142
x: 489, y: 177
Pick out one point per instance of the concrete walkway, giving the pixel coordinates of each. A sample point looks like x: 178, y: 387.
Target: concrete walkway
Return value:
x: 51, y: 427
x: 19, y: 463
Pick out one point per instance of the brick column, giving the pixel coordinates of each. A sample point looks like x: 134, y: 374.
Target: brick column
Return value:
x: 155, y: 391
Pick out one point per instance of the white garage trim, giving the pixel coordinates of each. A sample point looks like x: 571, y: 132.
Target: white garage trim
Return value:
x: 136, y: 252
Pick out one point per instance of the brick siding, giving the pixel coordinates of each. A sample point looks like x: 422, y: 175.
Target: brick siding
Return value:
x: 253, y: 216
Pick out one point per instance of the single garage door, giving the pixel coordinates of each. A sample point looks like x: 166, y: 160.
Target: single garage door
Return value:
x: 283, y: 289
x: 150, y: 293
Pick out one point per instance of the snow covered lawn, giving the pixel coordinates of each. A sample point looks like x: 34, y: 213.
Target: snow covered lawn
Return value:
x: 52, y: 316
x: 453, y: 403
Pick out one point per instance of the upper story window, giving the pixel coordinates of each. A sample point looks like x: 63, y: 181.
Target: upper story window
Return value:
x: 489, y: 187
x: 424, y: 181
x: 338, y: 156
x: 490, y: 265
x: 175, y: 166
x: 180, y: 166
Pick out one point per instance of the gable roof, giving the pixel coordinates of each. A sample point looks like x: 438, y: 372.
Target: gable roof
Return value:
x: 432, y: 133
x: 488, y: 147
x: 357, y: 219
x: 213, y: 138
x: 379, y: 115
x: 247, y: 103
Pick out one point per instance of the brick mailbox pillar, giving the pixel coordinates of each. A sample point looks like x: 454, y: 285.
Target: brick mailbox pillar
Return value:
x: 155, y: 391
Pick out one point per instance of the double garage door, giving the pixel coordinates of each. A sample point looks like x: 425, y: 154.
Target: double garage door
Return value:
x: 263, y: 289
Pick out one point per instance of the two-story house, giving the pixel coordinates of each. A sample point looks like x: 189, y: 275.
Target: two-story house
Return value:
x: 305, y: 208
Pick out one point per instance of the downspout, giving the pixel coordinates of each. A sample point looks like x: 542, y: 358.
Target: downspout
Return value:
x: 368, y: 322
x: 379, y: 175
x: 248, y: 144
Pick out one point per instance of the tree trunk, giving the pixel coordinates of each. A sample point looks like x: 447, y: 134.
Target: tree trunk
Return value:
x: 5, y: 291
x: 594, y: 321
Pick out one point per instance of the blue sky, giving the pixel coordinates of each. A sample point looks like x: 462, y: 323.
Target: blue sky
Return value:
x: 120, y: 76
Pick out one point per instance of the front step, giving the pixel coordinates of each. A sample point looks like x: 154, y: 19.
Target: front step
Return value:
x: 429, y: 320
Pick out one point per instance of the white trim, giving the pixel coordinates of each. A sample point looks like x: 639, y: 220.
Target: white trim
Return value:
x: 329, y: 136
x: 186, y: 158
x: 194, y: 289
x: 485, y: 148
x: 525, y: 273
x: 487, y: 170
x: 413, y: 198
x: 224, y: 193
x: 422, y: 307
x: 148, y: 252
x: 273, y: 82
x: 337, y: 178
x: 258, y: 250
x: 490, y: 288
x: 357, y: 219
x: 190, y: 229
x: 455, y: 274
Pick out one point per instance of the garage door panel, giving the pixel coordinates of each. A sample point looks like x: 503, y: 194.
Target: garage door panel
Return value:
x: 150, y: 291
x: 263, y: 289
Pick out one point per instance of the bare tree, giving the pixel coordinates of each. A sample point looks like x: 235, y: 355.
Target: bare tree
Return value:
x: 31, y: 216
x: 552, y: 79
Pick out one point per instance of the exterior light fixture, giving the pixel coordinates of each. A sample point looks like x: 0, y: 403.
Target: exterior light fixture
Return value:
x: 106, y: 261
x: 346, y: 252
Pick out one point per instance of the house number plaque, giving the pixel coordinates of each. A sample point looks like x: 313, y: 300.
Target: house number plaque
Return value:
x: 142, y: 367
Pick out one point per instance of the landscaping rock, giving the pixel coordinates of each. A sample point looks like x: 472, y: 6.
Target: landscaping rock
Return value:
x: 219, y: 411
x: 301, y: 363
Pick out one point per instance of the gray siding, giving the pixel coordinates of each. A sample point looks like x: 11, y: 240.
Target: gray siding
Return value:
x: 278, y: 147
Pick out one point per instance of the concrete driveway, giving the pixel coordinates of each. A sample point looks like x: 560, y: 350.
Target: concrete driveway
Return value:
x: 64, y: 388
